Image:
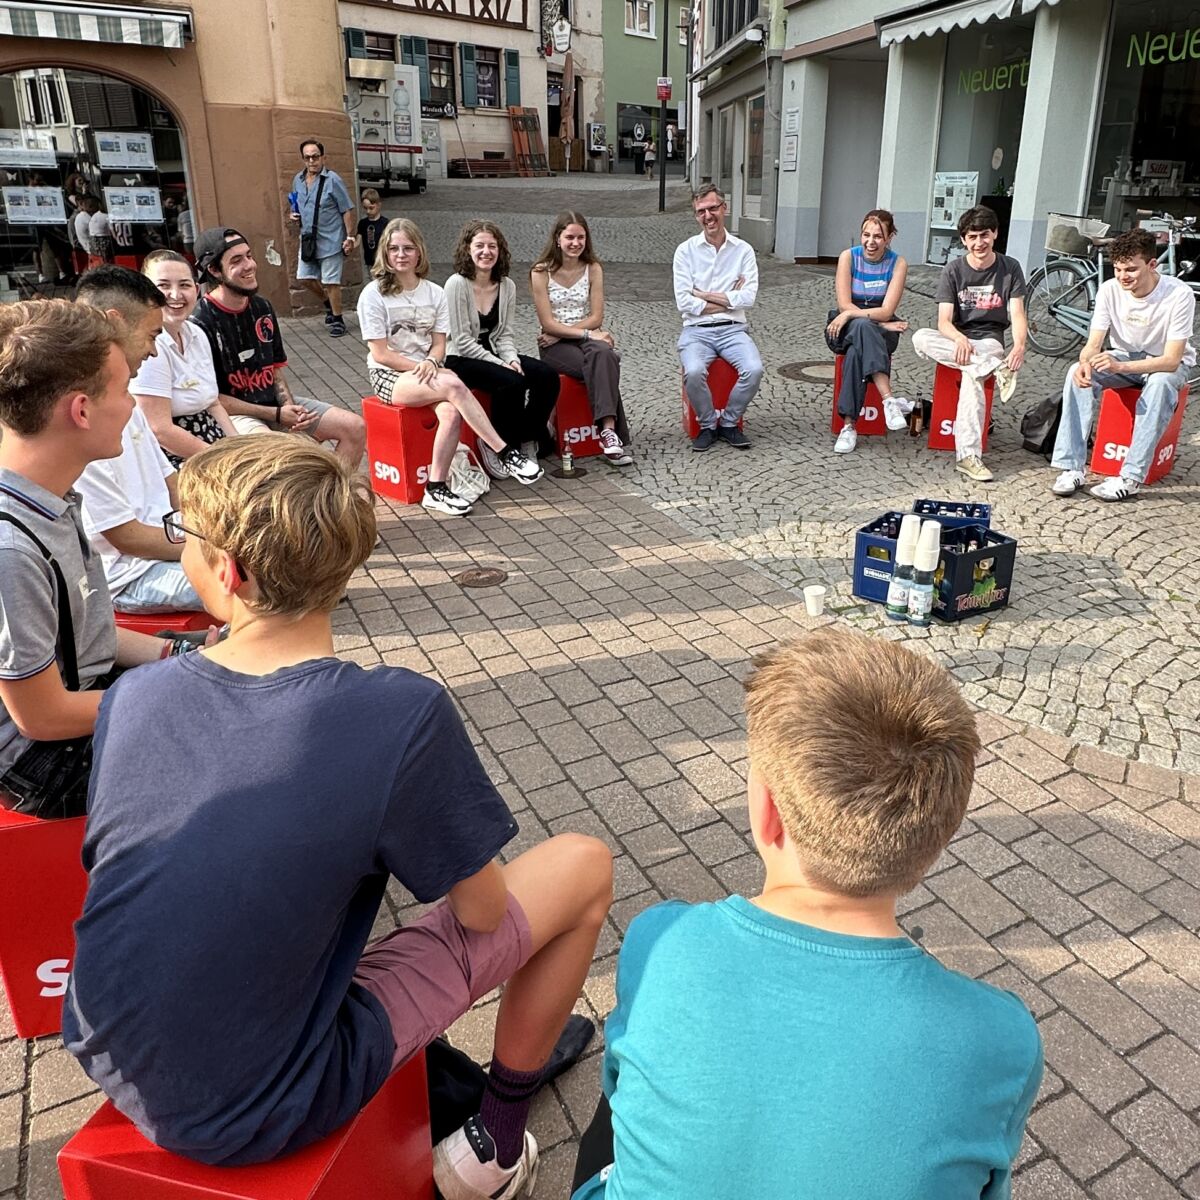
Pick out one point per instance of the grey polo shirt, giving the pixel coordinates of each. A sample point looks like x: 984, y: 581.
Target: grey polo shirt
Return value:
x: 29, y: 596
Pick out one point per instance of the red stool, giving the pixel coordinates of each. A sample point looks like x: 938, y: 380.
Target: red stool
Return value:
x: 573, y: 421
x: 176, y: 622
x: 722, y: 377
x: 384, y: 1151
x: 42, y: 885
x: 400, y: 446
x: 132, y: 261
x: 1114, y: 432
x: 946, y: 382
x: 870, y: 421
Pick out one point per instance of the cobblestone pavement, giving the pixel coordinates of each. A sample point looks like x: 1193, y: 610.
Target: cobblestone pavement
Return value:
x: 602, y: 685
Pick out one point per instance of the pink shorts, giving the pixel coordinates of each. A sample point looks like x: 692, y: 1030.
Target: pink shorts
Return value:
x: 427, y: 974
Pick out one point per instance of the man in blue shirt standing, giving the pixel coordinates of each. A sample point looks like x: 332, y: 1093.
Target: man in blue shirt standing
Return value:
x: 322, y: 207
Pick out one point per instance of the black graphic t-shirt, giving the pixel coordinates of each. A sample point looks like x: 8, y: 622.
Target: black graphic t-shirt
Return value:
x: 980, y: 298
x: 247, y: 348
x: 371, y: 233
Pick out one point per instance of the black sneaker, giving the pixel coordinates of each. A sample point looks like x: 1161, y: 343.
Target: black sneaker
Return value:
x: 704, y: 440
x: 734, y: 436
x: 337, y: 327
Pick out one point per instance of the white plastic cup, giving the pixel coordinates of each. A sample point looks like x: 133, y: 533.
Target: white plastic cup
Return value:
x: 814, y: 599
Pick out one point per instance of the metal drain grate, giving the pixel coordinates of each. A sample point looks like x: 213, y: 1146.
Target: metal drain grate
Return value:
x: 809, y: 372
x: 480, y: 577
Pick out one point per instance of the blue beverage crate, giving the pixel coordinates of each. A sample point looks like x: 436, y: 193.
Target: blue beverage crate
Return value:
x: 952, y: 514
x: 875, y: 558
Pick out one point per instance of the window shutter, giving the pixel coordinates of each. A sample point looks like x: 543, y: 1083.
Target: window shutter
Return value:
x: 512, y: 77
x: 470, y: 93
x: 356, y: 43
x: 414, y: 51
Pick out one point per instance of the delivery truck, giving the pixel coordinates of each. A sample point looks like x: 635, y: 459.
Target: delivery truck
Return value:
x: 384, y: 102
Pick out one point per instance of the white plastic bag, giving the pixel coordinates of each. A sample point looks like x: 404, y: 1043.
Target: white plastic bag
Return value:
x: 467, y: 478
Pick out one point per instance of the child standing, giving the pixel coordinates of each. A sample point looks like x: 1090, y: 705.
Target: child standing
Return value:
x: 371, y: 227
x: 798, y: 1044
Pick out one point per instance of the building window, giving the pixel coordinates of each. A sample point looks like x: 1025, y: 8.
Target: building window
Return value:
x: 441, y: 73
x: 730, y: 17
x: 487, y: 77
x: 43, y: 99
x: 683, y: 26
x: 639, y: 17
x: 381, y: 45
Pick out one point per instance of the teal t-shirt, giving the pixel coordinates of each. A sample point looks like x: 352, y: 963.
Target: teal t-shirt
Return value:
x: 749, y: 1055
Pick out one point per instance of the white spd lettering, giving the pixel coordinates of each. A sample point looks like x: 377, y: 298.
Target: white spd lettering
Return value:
x: 1115, y: 453
x: 422, y: 475
x: 580, y: 433
x: 947, y: 429
x: 387, y: 471
x: 54, y: 973
x: 870, y: 414
x: 1166, y: 453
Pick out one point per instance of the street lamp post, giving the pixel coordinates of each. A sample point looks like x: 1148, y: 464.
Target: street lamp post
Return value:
x: 661, y: 141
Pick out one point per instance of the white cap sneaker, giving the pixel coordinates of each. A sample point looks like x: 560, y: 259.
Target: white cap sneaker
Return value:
x: 846, y: 440
x: 465, y: 1166
x: 1068, y: 483
x: 895, y: 412
x: 1116, y: 488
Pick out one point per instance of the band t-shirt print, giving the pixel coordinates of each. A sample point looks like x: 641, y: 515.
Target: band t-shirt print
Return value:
x: 407, y: 320
x: 980, y: 298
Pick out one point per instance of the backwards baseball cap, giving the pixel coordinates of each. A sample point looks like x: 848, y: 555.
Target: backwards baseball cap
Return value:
x: 212, y: 243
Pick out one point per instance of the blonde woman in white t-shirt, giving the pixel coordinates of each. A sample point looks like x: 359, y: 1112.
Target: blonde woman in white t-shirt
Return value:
x: 177, y: 388
x: 404, y: 319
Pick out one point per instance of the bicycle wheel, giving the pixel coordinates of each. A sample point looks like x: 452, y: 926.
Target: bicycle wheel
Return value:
x: 1064, y: 283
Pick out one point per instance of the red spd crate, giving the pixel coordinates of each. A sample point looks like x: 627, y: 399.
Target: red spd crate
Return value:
x: 721, y: 380
x: 384, y: 1151
x: 176, y: 622
x: 400, y: 446
x: 573, y: 421
x: 1114, y: 432
x: 870, y: 421
x: 946, y: 382
x: 42, y: 885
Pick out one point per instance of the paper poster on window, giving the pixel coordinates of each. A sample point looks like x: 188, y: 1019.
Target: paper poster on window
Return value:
x: 953, y: 193
x: 34, y: 205
x: 137, y: 204
x: 125, y: 150
x: 20, y: 148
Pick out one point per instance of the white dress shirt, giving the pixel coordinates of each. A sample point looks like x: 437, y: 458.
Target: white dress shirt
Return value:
x: 699, y: 264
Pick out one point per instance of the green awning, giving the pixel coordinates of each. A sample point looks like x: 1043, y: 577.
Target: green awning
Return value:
x: 106, y: 23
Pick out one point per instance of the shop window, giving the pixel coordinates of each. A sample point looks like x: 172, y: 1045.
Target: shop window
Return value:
x: 1149, y: 127
x: 82, y: 132
x: 441, y: 73
x: 755, y: 118
x: 487, y: 77
x: 639, y: 17
x: 380, y: 45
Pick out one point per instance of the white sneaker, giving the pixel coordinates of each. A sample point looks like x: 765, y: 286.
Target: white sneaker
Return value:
x: 613, y: 448
x: 1007, y: 379
x: 490, y: 461
x: 465, y: 1166
x: 1068, y: 483
x: 439, y: 498
x: 973, y: 468
x: 519, y: 467
x: 1116, y: 488
x: 895, y: 412
x: 846, y: 440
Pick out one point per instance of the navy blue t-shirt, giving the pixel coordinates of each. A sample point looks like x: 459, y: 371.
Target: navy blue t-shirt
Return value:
x: 241, y: 832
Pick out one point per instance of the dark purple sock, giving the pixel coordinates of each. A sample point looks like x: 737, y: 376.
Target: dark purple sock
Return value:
x: 505, y: 1109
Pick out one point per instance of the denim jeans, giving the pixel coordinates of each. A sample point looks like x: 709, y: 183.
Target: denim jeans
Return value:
x: 698, y: 346
x: 1155, y: 407
x: 163, y: 588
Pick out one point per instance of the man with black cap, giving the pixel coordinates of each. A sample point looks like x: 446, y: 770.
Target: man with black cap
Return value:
x: 248, y: 353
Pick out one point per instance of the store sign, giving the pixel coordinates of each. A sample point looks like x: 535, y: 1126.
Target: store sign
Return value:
x: 431, y: 109
x: 134, y: 204
x: 1155, y: 48
x: 994, y: 79
x: 664, y: 87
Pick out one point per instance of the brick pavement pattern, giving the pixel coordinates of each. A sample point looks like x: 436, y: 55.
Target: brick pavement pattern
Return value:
x: 602, y: 686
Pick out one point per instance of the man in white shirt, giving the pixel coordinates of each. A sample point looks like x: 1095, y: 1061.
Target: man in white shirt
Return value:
x: 124, y: 502
x: 82, y: 223
x: 716, y: 281
x: 1147, y: 318
x: 100, y: 235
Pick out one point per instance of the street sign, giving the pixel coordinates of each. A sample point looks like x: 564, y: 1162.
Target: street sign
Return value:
x: 664, y: 87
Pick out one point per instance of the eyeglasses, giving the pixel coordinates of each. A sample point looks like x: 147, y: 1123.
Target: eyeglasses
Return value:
x: 712, y: 208
x: 177, y: 535
x: 312, y: 157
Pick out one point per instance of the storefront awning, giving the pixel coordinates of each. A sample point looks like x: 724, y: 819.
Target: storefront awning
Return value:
x: 1028, y: 6
x: 925, y: 22
x: 169, y: 28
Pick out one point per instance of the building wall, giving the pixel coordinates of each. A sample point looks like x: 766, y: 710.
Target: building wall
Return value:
x: 588, y: 59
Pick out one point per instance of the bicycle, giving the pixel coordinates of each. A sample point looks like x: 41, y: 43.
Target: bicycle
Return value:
x: 1062, y: 293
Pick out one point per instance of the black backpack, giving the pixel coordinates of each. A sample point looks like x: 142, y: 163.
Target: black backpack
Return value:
x: 1039, y: 426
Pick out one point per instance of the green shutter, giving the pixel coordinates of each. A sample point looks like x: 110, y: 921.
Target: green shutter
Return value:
x: 414, y: 51
x: 356, y: 43
x: 470, y: 93
x: 512, y: 77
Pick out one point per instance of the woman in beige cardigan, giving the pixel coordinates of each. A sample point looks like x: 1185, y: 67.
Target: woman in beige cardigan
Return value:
x: 480, y: 296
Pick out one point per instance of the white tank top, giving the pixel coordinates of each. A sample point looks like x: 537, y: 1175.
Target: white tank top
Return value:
x: 569, y: 305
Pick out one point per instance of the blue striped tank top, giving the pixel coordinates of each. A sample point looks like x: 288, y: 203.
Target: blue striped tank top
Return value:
x: 869, y: 281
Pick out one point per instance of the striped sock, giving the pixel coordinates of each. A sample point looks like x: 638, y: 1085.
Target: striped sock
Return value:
x: 505, y: 1109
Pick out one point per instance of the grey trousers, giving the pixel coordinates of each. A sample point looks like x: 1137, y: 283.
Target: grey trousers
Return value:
x: 599, y: 366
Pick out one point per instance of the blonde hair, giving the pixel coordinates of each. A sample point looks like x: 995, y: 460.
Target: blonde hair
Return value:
x: 287, y: 511
x: 869, y: 752
x: 160, y: 256
x: 381, y: 272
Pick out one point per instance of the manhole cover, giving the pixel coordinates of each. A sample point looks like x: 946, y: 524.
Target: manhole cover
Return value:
x: 481, y: 577
x: 808, y: 372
